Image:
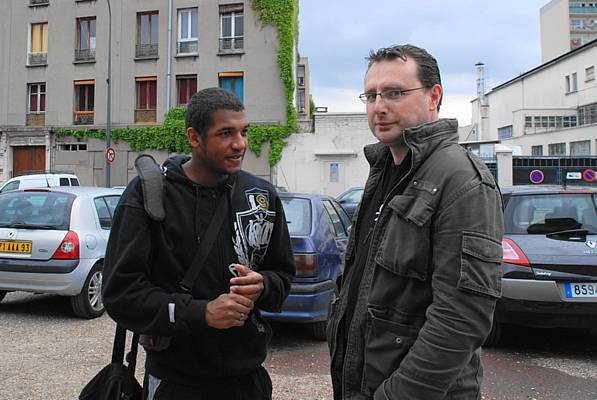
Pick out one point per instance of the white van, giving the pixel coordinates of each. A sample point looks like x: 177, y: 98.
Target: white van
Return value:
x: 39, y: 180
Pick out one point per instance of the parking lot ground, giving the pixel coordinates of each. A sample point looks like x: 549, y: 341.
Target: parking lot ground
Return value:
x: 47, y: 353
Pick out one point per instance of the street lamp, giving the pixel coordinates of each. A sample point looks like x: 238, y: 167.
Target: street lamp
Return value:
x: 108, y: 121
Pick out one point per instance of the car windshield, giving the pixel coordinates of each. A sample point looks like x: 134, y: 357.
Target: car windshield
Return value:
x: 354, y: 196
x: 549, y: 213
x: 35, y: 210
x: 298, y: 215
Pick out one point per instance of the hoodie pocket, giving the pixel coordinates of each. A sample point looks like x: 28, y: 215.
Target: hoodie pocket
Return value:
x: 387, y: 344
x: 405, y: 245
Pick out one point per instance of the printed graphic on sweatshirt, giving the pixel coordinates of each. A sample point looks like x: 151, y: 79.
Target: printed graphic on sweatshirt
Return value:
x: 253, y: 228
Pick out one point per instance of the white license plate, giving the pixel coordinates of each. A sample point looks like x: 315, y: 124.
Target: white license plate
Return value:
x: 584, y: 289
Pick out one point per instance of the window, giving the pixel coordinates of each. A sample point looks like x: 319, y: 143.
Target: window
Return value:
x: 84, y: 102
x: 38, y: 44
x: 505, y: 132
x: 581, y: 148
x: 587, y: 114
x: 147, y: 35
x: 146, y: 99
x: 335, y: 222
x: 187, y: 31
x: 567, y: 79
x: 528, y: 122
x: 105, y: 207
x: 73, y: 147
x: 37, y: 98
x: 574, y: 82
x: 298, y: 215
x: 589, y: 73
x: 231, y: 28
x: 85, y: 49
x: 537, y: 150
x: 233, y: 82
x: 557, y: 149
x: 186, y: 87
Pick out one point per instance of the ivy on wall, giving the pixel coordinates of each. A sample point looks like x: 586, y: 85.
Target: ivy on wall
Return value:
x: 171, y: 136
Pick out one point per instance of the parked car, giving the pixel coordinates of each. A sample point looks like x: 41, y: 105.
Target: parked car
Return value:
x: 351, y: 199
x: 39, y: 180
x: 318, y: 228
x: 550, y: 259
x: 53, y: 240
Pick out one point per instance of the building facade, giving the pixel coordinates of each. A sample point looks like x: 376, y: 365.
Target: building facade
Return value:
x: 550, y: 110
x: 566, y: 25
x: 54, y: 69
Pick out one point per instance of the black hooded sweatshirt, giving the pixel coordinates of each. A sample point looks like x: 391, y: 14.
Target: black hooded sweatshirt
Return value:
x: 146, y: 259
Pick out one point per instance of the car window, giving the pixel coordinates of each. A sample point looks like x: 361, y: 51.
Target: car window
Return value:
x: 298, y: 215
x: 343, y: 215
x: 74, y: 182
x: 541, y: 214
x: 355, y: 196
x: 63, y: 182
x: 337, y: 225
x: 103, y: 212
x: 41, y: 210
x: 112, y: 202
x: 14, y: 185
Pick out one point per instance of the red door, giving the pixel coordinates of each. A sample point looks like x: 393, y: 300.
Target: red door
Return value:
x: 28, y: 159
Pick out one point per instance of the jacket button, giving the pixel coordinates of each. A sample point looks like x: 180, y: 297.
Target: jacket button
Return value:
x: 398, y: 340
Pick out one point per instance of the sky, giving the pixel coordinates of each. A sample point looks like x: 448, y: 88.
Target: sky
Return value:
x: 337, y: 35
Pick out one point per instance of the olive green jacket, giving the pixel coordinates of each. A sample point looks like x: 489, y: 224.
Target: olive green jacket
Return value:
x: 431, y: 280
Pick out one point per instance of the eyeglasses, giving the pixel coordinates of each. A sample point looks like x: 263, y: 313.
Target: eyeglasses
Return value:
x: 387, y: 95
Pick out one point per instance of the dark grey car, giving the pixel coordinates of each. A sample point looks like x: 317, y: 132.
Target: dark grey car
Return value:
x: 550, y: 259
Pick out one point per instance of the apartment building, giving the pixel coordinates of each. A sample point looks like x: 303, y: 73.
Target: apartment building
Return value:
x: 550, y: 110
x: 54, y: 69
x: 566, y: 25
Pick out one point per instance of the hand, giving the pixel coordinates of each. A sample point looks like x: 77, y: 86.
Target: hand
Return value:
x: 228, y: 310
x: 249, y: 284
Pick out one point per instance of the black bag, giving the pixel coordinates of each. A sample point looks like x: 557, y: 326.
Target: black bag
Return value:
x: 116, y: 381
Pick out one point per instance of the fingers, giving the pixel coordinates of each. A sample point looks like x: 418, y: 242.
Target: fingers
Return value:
x: 250, y: 278
x: 228, y: 310
x: 247, y: 290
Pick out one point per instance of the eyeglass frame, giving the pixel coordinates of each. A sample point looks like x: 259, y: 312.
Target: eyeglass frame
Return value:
x: 363, y: 96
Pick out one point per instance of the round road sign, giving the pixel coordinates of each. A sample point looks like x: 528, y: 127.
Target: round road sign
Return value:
x: 536, y: 176
x: 110, y: 155
x: 589, y: 175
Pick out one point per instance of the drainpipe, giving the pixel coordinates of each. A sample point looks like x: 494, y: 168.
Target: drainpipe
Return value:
x: 169, y: 77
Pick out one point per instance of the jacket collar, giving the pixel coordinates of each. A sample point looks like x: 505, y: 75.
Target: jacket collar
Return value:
x: 422, y: 141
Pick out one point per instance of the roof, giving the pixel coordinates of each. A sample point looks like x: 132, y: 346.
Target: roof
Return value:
x: 547, y: 189
x: 548, y: 64
x: 77, y: 190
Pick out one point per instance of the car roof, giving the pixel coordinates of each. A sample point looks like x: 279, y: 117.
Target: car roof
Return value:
x: 44, y: 175
x: 77, y: 190
x: 312, y: 196
x: 546, y: 189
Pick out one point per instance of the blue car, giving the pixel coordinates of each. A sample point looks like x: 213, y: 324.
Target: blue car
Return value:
x: 318, y: 227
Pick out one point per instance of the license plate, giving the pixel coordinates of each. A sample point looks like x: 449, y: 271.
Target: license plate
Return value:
x: 15, y: 247
x: 585, y: 289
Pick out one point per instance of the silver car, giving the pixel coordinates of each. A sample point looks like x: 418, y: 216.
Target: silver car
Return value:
x: 53, y: 240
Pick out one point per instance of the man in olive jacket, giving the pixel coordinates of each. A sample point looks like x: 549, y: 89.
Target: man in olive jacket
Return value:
x: 423, y: 264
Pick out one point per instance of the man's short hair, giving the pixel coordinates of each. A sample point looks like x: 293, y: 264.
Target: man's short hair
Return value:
x: 203, y: 103
x: 427, y: 65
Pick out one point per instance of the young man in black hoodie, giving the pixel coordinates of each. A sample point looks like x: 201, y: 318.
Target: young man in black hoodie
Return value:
x: 216, y: 339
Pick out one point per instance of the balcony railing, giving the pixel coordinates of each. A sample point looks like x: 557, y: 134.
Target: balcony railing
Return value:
x: 83, y: 117
x: 35, y: 119
x: 146, y: 50
x: 39, y: 2
x: 232, y: 45
x: 188, y: 47
x: 38, y: 58
x: 145, y: 116
x: 583, y: 10
x: 84, y: 54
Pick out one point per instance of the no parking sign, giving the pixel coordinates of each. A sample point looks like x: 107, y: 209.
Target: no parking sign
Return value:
x: 536, y: 176
x: 589, y: 175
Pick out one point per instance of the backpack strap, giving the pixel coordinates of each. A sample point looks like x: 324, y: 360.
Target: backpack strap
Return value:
x: 152, y: 182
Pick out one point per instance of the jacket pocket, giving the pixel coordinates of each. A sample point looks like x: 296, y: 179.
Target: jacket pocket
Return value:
x: 386, y: 345
x: 481, y: 265
x: 405, y: 245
